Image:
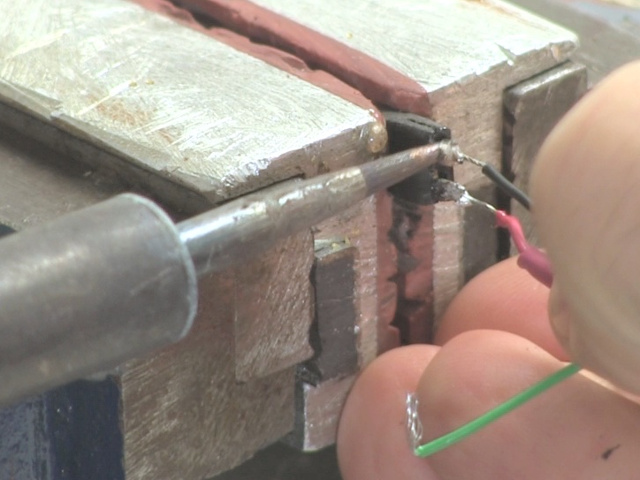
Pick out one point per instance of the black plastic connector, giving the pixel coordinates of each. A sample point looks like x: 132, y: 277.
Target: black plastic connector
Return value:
x: 407, y: 130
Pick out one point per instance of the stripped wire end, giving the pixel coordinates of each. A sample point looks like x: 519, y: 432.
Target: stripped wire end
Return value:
x: 453, y: 191
x: 448, y: 191
x: 493, y: 174
x: 462, y: 157
x: 531, y: 258
x: 414, y: 426
x: 467, y: 199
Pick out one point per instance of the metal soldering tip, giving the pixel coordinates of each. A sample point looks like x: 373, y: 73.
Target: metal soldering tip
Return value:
x: 387, y: 171
x: 251, y: 224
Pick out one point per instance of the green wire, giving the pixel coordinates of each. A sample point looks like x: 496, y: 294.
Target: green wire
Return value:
x: 491, y: 416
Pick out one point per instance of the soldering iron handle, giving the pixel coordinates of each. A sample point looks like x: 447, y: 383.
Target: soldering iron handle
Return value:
x: 88, y: 291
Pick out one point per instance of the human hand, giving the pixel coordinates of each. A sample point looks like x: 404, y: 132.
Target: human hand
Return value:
x: 497, y: 342
x: 586, y: 197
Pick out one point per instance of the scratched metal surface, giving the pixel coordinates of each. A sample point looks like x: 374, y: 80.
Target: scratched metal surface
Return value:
x: 620, y: 14
x: 475, y: 36
x: 183, y: 413
x: 609, y: 30
x: 464, y: 52
x: 170, y: 99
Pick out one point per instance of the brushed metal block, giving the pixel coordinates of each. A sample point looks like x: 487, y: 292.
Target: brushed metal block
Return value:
x: 532, y: 108
x: 184, y: 415
x: 38, y: 184
x: 412, y: 236
x: 333, y: 332
x: 607, y: 41
x: 318, y: 410
x: 274, y: 309
x: 388, y: 335
x: 169, y: 101
x: 357, y: 227
x: 464, y: 53
x: 448, y: 267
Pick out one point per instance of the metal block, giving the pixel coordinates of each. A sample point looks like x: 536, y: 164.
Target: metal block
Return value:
x: 38, y: 184
x: 448, y: 267
x: 429, y: 243
x: 23, y: 445
x: 463, y: 53
x: 605, y: 43
x: 272, y: 323
x: 68, y: 433
x: 333, y: 334
x: 318, y: 410
x: 358, y: 227
x: 480, y: 243
x: 280, y: 461
x: 184, y: 415
x: 532, y: 108
x: 127, y: 115
x: 388, y: 335
x: 412, y: 236
x: 113, y: 73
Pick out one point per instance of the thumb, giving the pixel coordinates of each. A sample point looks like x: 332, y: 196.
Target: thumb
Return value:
x: 586, y: 194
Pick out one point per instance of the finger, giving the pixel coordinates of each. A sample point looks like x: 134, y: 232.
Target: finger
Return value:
x: 372, y: 435
x: 586, y: 207
x: 578, y: 429
x: 503, y: 297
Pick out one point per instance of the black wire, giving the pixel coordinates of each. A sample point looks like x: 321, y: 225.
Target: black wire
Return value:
x: 506, y: 186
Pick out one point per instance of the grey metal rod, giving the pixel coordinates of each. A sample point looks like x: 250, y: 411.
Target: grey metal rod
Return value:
x: 251, y: 224
x: 99, y: 286
x: 90, y: 290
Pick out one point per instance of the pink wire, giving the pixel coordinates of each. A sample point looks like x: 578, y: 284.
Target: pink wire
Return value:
x: 504, y: 220
x: 532, y: 259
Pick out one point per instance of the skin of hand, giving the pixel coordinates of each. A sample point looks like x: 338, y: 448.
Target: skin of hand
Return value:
x: 577, y: 430
x: 496, y: 339
x: 586, y: 196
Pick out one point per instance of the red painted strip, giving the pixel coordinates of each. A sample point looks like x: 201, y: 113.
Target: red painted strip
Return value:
x: 273, y: 56
x: 377, y: 81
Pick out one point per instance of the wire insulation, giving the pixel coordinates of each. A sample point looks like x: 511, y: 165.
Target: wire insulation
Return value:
x: 511, y: 223
x: 494, y: 414
x: 497, y: 178
x: 537, y: 263
x: 531, y: 258
x: 506, y: 186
